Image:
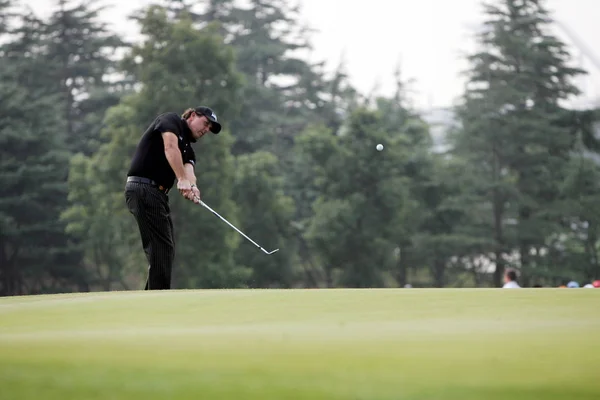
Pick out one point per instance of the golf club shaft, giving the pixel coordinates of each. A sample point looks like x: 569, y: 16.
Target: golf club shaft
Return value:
x: 231, y: 225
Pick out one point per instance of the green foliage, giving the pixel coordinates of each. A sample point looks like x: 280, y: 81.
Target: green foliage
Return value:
x: 72, y: 54
x: 295, y: 167
x: 204, y: 244
x: 265, y: 214
x: 358, y: 216
x: 513, y: 135
x: 5, y: 15
x: 283, y: 92
x: 576, y: 245
x: 179, y: 67
x: 97, y: 218
x: 35, y: 253
x: 96, y: 214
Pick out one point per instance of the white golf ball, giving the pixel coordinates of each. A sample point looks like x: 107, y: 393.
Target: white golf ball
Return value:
x: 379, y: 147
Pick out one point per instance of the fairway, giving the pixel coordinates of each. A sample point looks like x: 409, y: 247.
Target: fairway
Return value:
x: 303, y: 344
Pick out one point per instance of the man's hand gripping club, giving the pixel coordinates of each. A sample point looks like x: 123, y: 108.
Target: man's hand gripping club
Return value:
x: 185, y: 186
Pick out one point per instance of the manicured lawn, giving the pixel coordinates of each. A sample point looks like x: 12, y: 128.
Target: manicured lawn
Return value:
x: 439, y: 344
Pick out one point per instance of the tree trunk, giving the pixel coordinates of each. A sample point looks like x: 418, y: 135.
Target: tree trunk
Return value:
x: 524, y: 249
x: 498, y: 210
x: 10, y: 282
x: 307, y: 263
x: 593, y: 269
x: 401, y: 270
x: 439, y: 272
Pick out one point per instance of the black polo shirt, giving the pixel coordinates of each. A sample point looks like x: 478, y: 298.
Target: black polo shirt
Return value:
x: 149, y: 160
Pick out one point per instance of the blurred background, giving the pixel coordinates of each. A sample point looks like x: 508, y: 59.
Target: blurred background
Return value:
x: 489, y: 113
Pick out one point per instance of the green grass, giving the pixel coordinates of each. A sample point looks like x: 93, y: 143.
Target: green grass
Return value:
x: 303, y: 344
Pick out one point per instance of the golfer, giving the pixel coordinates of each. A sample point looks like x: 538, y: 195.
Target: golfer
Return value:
x: 164, y: 156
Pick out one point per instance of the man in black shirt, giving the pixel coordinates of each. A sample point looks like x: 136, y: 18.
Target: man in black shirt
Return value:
x: 164, y: 155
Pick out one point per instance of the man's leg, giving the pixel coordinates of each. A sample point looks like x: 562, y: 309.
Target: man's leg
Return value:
x: 151, y: 210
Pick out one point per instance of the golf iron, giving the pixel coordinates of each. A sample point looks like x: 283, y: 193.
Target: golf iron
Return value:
x: 240, y: 232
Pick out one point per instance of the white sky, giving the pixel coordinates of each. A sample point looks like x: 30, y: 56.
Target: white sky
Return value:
x: 426, y: 36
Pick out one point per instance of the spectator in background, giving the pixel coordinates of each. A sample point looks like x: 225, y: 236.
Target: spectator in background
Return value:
x: 510, y: 279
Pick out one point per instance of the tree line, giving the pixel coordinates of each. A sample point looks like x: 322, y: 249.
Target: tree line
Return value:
x: 296, y: 168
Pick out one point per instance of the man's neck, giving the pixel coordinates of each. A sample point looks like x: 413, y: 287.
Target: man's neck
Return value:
x: 188, y: 131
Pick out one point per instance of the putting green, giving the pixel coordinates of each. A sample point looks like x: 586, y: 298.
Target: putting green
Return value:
x: 437, y: 344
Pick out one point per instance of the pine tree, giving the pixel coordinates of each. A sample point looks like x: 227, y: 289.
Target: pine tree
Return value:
x: 284, y: 92
x: 6, y: 15
x: 81, y: 58
x: 363, y: 197
x: 35, y: 254
x: 512, y: 136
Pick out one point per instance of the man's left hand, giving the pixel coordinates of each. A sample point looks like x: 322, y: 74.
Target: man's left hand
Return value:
x: 195, y: 194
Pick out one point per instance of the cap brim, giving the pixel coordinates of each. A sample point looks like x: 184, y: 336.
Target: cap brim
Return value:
x: 215, y: 127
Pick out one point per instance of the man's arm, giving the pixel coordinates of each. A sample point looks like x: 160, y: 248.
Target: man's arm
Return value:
x: 189, y: 172
x: 191, y: 176
x: 173, y: 154
x: 176, y: 162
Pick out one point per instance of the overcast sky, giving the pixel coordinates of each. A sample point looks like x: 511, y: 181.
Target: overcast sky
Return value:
x: 426, y: 36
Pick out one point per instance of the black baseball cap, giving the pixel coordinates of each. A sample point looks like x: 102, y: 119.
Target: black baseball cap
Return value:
x: 211, y: 116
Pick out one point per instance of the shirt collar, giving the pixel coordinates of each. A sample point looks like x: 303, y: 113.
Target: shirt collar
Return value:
x: 187, y: 131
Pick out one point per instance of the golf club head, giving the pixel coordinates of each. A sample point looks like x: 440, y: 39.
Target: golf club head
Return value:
x: 269, y: 252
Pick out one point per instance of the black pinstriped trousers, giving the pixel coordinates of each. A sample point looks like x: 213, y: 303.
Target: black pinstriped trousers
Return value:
x: 150, y: 207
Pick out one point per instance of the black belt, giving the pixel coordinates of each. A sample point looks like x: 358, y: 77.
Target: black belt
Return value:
x: 139, y: 179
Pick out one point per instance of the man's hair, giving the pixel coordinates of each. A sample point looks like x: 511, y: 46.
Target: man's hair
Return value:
x: 511, y: 274
x: 186, y: 114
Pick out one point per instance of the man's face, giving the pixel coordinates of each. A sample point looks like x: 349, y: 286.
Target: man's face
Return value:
x: 199, y: 125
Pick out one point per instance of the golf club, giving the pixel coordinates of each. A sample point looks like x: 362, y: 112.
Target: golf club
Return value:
x: 240, y: 232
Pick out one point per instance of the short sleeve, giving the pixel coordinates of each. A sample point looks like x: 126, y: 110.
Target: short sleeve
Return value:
x: 167, y: 123
x: 189, y: 156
